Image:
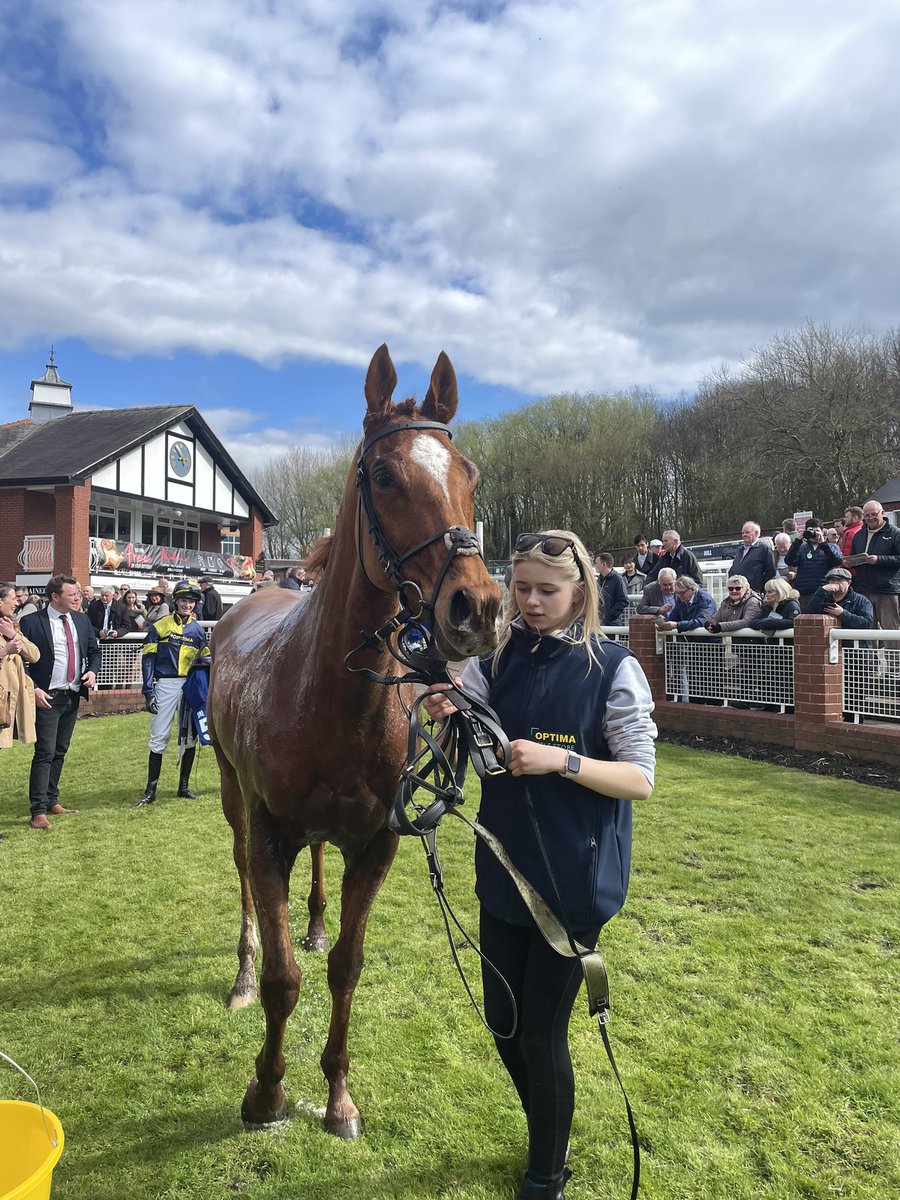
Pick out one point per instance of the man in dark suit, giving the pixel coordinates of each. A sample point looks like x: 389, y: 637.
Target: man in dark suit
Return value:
x: 755, y: 561
x: 211, y: 605
x: 107, y: 614
x: 70, y: 659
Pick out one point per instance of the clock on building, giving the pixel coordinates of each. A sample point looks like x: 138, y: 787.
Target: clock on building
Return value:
x: 180, y: 458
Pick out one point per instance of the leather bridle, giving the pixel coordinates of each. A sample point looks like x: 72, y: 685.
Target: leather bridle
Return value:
x: 457, y: 539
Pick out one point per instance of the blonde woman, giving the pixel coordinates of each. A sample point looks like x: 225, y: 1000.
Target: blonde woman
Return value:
x: 16, y: 688
x: 576, y: 708
x: 781, y: 608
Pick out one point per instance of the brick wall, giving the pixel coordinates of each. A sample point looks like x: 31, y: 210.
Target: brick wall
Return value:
x: 210, y: 538
x: 252, y: 536
x: 40, y: 512
x: 12, y: 531
x: 817, y: 722
x: 72, y: 554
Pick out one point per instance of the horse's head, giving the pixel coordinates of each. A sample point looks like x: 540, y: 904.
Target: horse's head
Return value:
x: 417, y: 498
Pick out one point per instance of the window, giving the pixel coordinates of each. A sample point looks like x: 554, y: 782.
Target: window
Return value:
x: 147, y: 529
x: 231, y: 545
x: 124, y: 526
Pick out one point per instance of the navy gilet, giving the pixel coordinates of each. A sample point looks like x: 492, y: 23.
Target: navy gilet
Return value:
x: 543, y: 692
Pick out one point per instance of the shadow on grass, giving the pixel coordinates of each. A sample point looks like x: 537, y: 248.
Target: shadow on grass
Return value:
x: 113, y: 978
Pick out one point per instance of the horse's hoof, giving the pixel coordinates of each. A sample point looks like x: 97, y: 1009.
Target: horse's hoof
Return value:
x: 241, y: 999
x: 315, y: 943
x: 346, y: 1128
x: 256, y: 1115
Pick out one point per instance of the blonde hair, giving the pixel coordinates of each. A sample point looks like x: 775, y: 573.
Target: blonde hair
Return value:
x: 782, y: 589
x: 588, y: 608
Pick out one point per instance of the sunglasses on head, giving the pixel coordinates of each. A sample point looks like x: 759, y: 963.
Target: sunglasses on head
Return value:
x: 551, y: 545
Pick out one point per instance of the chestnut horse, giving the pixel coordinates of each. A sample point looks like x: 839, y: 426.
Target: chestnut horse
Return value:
x: 310, y: 752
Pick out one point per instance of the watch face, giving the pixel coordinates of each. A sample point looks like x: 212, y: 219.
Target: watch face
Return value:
x: 180, y: 458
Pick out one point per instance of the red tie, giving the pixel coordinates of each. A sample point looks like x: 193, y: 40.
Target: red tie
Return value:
x: 70, y: 673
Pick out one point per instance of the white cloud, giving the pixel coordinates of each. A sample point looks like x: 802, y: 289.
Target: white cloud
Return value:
x: 564, y: 195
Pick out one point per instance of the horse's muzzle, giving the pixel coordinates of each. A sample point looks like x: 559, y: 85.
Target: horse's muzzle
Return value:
x: 466, y: 623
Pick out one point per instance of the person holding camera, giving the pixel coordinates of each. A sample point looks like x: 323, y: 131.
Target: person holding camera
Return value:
x: 812, y: 557
x: 170, y: 649
x: 836, y: 598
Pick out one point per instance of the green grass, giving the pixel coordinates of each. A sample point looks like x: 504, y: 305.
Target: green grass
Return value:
x: 754, y: 979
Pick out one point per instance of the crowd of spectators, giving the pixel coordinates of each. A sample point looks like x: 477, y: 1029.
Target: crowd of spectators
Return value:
x: 770, y: 579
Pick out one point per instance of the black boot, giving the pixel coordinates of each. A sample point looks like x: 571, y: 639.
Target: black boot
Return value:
x: 551, y: 1191
x: 187, y: 761
x: 153, y: 770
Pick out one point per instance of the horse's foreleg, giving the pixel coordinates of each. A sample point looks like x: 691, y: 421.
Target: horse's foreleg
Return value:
x: 316, y: 938
x: 271, y: 859
x: 244, y: 990
x: 362, y: 879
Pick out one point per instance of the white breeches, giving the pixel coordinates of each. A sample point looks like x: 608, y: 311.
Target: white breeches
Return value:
x: 168, y: 697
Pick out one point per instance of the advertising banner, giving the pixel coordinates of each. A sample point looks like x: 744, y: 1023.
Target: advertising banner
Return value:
x: 107, y: 555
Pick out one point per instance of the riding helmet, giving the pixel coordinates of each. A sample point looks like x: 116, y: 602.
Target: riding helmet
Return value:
x: 185, y: 590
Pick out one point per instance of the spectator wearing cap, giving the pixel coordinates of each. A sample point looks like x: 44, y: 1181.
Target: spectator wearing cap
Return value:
x: 878, y: 578
x: 210, y: 607
x: 812, y: 557
x: 836, y: 598
x: 754, y: 561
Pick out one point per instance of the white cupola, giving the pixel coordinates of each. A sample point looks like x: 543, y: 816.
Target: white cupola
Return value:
x: 50, y: 396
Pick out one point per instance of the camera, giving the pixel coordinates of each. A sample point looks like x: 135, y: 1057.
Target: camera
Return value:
x: 810, y: 535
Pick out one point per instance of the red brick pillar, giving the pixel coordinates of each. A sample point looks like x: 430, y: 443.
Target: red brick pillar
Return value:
x: 252, y: 536
x: 817, y: 682
x: 12, y: 531
x: 72, y: 551
x: 642, y: 643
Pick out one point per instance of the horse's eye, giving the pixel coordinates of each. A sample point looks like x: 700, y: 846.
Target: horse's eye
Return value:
x: 383, y: 478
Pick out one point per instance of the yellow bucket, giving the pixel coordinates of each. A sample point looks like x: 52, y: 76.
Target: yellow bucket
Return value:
x: 31, y: 1141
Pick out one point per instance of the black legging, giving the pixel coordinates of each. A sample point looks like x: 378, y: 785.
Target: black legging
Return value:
x: 544, y: 985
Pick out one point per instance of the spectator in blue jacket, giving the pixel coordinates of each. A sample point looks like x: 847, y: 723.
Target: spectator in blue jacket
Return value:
x: 811, y: 557
x: 612, y: 589
x: 836, y: 598
x: 693, y: 606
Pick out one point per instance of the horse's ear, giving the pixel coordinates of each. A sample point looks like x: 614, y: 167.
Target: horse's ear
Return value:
x: 381, y: 379
x: 442, y: 396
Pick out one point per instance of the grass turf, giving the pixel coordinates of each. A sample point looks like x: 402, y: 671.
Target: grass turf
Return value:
x: 754, y: 978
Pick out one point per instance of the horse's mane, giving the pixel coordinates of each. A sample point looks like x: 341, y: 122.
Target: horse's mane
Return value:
x: 317, y: 559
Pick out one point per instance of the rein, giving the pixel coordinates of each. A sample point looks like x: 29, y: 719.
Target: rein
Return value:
x: 437, y: 762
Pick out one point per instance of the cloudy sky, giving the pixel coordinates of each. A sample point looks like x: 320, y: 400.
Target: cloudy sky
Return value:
x: 234, y: 202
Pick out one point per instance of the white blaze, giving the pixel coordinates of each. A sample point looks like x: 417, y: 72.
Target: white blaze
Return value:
x: 428, y: 452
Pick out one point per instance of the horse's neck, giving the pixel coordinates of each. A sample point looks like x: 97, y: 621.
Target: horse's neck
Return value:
x: 347, y: 607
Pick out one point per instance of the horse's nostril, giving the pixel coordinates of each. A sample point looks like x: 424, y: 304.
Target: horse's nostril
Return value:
x: 460, y: 608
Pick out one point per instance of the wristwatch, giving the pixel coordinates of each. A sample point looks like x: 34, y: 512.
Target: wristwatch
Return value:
x: 572, y: 767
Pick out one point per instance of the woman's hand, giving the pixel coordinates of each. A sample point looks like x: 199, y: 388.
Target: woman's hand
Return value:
x: 13, y: 646
x: 8, y: 627
x: 531, y: 758
x: 437, y: 706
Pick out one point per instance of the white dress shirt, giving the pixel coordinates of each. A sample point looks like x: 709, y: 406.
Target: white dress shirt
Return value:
x: 58, y: 678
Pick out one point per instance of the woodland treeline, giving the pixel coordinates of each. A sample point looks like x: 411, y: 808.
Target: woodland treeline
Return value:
x: 810, y: 421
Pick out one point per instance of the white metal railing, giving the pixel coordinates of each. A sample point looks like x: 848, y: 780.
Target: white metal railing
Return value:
x: 870, y: 671
x: 120, y: 660
x: 616, y: 633
x: 745, y: 668
x: 37, y: 553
